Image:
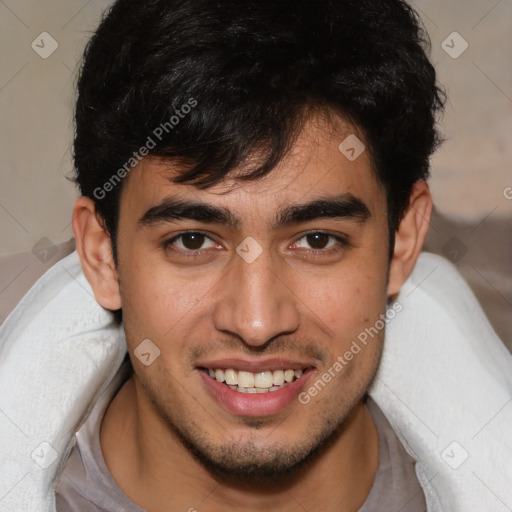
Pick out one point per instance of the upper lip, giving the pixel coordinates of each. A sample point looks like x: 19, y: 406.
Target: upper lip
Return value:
x: 258, y: 366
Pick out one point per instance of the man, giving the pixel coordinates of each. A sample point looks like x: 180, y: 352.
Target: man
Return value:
x: 253, y: 198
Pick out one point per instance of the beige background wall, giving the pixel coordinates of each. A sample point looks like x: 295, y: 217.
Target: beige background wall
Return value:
x: 472, y: 172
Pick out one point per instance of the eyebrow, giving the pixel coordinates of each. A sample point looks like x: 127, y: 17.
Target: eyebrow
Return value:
x: 344, y: 206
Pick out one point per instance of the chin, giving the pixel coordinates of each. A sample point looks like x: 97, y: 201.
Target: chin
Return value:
x: 255, y: 459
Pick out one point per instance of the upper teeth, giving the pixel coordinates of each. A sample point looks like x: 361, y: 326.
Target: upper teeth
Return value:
x: 254, y: 380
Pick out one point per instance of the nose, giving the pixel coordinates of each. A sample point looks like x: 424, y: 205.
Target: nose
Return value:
x: 256, y: 303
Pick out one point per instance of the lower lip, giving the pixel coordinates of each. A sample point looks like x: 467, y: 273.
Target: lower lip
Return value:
x: 255, y: 404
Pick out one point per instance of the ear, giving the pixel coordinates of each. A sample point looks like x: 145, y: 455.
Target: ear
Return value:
x: 410, y: 236
x: 94, y: 247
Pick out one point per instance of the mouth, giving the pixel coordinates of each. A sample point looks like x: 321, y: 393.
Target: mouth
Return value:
x: 254, y: 389
x: 248, y: 382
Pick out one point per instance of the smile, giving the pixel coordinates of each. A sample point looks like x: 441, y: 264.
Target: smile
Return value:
x: 260, y: 382
x: 255, y: 388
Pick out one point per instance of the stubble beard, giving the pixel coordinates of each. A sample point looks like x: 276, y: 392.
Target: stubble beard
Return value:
x: 250, y: 462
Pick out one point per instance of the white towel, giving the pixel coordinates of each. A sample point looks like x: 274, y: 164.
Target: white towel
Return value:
x: 445, y: 384
x: 58, y: 349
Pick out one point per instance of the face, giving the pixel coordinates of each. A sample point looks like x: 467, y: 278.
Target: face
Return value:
x: 251, y: 291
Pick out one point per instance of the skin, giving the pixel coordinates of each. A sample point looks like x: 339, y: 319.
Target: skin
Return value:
x: 290, y: 302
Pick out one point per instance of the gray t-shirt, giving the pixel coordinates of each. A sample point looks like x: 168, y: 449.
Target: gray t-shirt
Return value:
x: 86, y: 484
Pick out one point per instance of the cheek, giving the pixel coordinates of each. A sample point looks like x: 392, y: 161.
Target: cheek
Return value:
x: 164, y: 304
x: 348, y: 301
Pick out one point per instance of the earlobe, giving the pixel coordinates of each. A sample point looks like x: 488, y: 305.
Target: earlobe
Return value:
x: 410, y: 236
x: 94, y: 248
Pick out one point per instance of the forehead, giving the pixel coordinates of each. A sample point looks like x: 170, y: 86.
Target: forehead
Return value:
x: 328, y: 157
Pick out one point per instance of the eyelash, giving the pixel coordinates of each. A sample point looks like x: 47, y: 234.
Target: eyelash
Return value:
x: 342, y: 244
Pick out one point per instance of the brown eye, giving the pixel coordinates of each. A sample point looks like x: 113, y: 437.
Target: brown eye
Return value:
x: 318, y: 240
x: 192, y: 241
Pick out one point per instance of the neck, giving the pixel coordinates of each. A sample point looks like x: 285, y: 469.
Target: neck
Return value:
x: 154, y: 469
